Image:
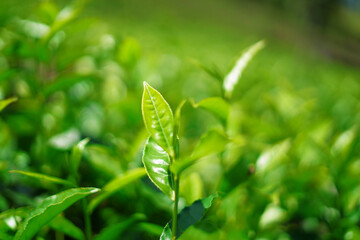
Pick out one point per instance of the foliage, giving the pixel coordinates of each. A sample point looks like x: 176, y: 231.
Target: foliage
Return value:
x: 268, y: 149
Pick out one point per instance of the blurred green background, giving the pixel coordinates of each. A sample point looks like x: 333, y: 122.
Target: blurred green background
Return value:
x: 77, y: 69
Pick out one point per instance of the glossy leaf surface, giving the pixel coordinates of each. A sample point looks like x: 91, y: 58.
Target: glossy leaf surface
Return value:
x: 115, y: 185
x: 158, y: 118
x: 217, y: 106
x: 188, y: 217
x: 45, y: 177
x: 235, y: 74
x: 49, y: 209
x: 61, y: 224
x: 157, y: 163
x: 5, y: 102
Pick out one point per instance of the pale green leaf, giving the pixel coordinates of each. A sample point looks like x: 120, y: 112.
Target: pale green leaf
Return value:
x: 48, y: 209
x: 44, y: 177
x: 5, y: 102
x: 158, y: 118
x: 188, y: 217
x: 210, y: 143
x: 61, y: 224
x: 157, y: 163
x: 115, y: 185
x: 217, y: 106
x: 76, y: 154
x: 235, y: 74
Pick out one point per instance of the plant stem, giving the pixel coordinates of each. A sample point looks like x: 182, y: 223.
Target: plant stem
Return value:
x: 175, y: 209
x: 87, y: 220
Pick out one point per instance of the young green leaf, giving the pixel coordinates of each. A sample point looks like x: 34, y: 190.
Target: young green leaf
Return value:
x: 157, y: 163
x: 217, y: 106
x: 116, y: 184
x: 235, y: 74
x: 49, y: 209
x: 213, y: 71
x: 189, y: 216
x: 44, y: 177
x: 158, y: 118
x: 5, y: 102
x: 61, y: 224
x: 178, y: 118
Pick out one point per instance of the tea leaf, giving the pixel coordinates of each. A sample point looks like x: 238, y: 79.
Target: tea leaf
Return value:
x: 189, y: 216
x: 5, y: 102
x: 63, y: 225
x: 210, y: 143
x: 115, y: 185
x: 49, y: 209
x: 235, y: 74
x: 76, y: 154
x: 217, y: 106
x: 115, y: 231
x: 157, y: 163
x: 158, y: 118
x: 44, y: 177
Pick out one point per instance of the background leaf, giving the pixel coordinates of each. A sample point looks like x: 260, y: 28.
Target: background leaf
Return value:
x: 115, y: 185
x: 158, y: 118
x: 4, y: 103
x: 217, y: 106
x: 44, y: 177
x: 48, y: 209
x: 157, y: 163
x: 235, y: 74
x: 63, y: 225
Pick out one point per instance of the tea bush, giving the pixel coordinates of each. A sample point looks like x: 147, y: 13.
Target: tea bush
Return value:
x: 89, y: 149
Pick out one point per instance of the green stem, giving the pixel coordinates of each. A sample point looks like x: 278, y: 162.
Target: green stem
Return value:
x: 88, y: 232
x: 175, y: 209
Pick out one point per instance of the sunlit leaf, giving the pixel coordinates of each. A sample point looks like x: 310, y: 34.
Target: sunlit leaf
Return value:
x: 235, y: 74
x: 63, y: 225
x: 158, y: 118
x: 151, y: 228
x: 115, y: 185
x: 188, y: 217
x: 157, y: 162
x: 4, y: 103
x: 217, y: 106
x: 48, y: 209
x: 44, y: 177
x: 115, y: 231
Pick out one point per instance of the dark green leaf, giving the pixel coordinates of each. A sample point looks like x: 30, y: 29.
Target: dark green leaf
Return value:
x: 49, y: 209
x: 157, y: 163
x: 115, y: 185
x: 188, y: 217
x: 63, y: 225
x: 158, y: 118
x: 114, y: 231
